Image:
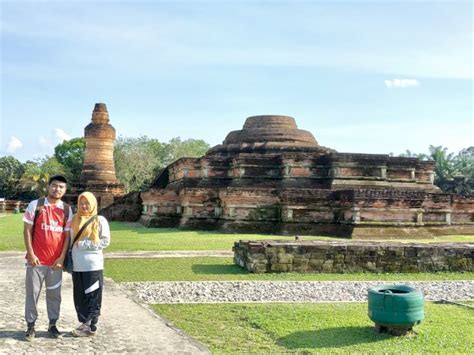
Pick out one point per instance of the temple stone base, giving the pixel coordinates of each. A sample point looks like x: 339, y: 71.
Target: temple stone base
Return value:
x: 352, y: 257
x: 106, y: 194
x: 342, y: 230
x: 126, y: 208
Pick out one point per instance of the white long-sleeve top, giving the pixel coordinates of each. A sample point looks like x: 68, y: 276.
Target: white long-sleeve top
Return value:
x: 87, y: 256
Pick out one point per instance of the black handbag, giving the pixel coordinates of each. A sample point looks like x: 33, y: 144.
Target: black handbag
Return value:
x: 67, y: 264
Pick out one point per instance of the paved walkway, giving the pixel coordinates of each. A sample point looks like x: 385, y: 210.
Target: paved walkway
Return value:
x: 125, y: 325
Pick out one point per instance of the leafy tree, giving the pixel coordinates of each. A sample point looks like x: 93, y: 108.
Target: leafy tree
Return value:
x: 11, y: 170
x: 463, y: 177
x: 444, y: 168
x: 453, y: 173
x: 409, y: 154
x: 190, y: 148
x: 136, y: 160
x: 71, y: 155
x: 36, y: 175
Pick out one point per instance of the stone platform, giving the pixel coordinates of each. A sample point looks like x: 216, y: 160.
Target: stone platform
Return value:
x: 351, y: 257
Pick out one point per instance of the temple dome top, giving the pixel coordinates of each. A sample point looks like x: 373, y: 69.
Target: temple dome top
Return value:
x: 270, y: 131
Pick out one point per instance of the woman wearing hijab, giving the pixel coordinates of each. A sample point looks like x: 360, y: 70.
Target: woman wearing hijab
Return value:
x: 88, y: 262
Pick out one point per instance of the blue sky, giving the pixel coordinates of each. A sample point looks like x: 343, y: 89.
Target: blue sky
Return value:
x: 371, y: 77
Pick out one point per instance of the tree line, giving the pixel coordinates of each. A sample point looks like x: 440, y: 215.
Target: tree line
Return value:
x: 454, y: 173
x: 139, y: 160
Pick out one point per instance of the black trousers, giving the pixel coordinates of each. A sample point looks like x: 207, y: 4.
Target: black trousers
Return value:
x: 88, y: 295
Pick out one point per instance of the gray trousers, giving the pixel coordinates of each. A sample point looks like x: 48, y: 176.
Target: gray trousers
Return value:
x: 35, y: 277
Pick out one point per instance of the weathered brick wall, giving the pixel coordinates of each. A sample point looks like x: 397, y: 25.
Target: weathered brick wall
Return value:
x: 127, y: 208
x: 347, y: 257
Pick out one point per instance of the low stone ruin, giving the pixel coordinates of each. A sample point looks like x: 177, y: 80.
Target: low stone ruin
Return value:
x: 352, y: 256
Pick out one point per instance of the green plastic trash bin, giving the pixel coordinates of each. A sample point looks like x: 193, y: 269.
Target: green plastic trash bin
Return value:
x: 396, y: 306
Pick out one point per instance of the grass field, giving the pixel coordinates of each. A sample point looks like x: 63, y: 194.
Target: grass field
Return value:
x: 134, y: 237
x: 222, y: 269
x: 270, y: 328
x: 318, y: 328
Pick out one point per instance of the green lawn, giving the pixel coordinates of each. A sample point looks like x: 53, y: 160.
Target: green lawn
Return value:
x: 134, y: 237
x: 316, y: 328
x: 220, y: 269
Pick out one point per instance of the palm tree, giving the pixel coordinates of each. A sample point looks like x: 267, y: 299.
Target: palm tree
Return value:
x: 35, y: 179
x: 36, y: 175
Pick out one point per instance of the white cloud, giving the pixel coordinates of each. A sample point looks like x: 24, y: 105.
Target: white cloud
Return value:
x: 14, y: 144
x: 401, y: 83
x: 58, y: 135
x: 61, y: 135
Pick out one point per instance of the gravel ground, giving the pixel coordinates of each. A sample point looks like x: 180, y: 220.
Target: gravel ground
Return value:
x: 285, y: 291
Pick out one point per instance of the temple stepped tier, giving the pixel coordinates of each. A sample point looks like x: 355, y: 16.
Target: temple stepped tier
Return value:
x: 272, y: 177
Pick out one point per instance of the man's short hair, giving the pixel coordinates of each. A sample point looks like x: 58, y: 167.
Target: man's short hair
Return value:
x: 60, y: 178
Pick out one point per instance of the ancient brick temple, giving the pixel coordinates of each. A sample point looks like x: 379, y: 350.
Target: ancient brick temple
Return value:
x: 272, y: 177
x: 98, y: 170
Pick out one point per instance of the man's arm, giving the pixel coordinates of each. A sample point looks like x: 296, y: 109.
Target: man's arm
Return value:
x: 27, y: 237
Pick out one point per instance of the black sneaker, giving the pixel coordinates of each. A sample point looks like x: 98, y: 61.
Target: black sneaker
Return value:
x: 54, y: 332
x: 30, y: 334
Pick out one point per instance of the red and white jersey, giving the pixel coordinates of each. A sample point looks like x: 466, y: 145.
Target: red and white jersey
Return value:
x: 49, y: 231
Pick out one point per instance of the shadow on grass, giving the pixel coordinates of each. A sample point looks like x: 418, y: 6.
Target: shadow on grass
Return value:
x: 218, y: 269
x: 331, y: 337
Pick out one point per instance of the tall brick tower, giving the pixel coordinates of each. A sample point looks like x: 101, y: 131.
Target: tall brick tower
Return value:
x: 98, y: 169
x: 98, y: 166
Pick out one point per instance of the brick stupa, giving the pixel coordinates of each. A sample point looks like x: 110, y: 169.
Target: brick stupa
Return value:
x: 98, y: 170
x: 271, y: 177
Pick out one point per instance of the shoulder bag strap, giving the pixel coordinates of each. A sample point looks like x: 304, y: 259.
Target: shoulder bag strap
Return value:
x: 66, y: 213
x: 89, y: 221
x: 39, y: 206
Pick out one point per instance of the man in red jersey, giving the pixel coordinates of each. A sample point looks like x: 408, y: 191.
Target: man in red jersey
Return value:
x: 46, y: 221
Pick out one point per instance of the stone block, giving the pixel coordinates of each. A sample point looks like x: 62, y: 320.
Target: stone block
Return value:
x: 370, y: 265
x: 259, y: 268
x: 327, y: 266
x: 281, y: 267
x: 298, y: 262
x: 285, y: 258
